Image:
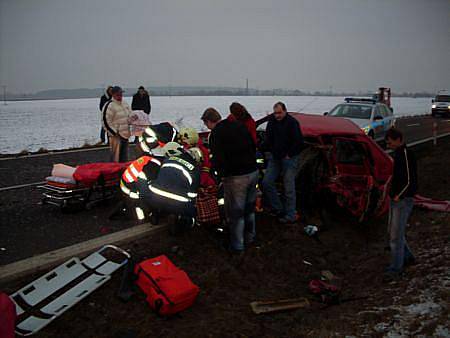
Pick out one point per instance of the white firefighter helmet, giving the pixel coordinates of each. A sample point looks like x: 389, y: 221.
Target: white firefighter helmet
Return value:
x: 172, y: 149
x: 148, y: 140
x: 188, y: 136
x: 196, y: 154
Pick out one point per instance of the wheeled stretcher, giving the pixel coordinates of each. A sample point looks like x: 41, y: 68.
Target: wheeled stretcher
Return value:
x: 84, y: 186
x: 73, y: 193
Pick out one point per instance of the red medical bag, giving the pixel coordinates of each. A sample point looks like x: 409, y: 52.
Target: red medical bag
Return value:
x: 7, y: 317
x: 168, y: 288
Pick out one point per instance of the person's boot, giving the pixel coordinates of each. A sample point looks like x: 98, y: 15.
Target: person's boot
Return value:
x: 126, y: 290
x: 119, y: 212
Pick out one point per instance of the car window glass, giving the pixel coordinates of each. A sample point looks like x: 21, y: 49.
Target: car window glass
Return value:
x: 386, y: 111
x: 442, y: 98
x: 352, y: 111
x: 336, y: 111
x: 378, y: 112
x: 262, y: 127
x: 349, y: 152
x: 389, y: 111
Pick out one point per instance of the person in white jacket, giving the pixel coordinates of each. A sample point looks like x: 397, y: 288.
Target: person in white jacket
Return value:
x: 115, y: 120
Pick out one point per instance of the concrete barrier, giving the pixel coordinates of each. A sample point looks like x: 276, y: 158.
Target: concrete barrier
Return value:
x: 50, y: 259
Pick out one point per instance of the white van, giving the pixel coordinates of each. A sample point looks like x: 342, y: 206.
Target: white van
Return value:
x: 440, y: 105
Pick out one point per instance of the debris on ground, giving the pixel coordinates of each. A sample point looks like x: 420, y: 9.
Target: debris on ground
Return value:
x: 279, y: 305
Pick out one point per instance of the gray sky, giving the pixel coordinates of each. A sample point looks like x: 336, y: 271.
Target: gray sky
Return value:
x: 315, y: 44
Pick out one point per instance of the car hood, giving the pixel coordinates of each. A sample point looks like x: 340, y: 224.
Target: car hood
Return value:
x: 360, y: 122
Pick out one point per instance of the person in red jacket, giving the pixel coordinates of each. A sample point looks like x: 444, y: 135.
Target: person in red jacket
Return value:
x: 240, y: 114
x: 190, y: 139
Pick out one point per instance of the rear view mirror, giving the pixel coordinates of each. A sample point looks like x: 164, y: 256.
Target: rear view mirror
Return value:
x: 325, y: 114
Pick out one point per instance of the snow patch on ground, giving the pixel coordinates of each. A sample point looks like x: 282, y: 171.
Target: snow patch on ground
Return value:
x: 415, y: 311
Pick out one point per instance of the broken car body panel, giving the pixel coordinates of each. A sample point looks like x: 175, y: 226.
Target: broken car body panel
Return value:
x: 358, y: 170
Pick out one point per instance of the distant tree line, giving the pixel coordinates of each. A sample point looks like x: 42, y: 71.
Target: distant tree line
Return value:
x: 197, y: 91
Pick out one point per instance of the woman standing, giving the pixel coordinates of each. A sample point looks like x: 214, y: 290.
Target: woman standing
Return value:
x: 240, y: 114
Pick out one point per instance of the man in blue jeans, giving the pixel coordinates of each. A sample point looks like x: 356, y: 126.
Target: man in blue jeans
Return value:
x: 233, y: 154
x: 403, y: 188
x: 284, y: 142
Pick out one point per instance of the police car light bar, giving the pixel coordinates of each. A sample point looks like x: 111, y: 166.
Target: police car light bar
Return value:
x: 355, y: 99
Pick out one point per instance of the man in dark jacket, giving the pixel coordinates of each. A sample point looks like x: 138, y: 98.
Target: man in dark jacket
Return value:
x: 284, y: 142
x: 105, y: 98
x: 403, y: 188
x: 141, y: 101
x: 234, y: 158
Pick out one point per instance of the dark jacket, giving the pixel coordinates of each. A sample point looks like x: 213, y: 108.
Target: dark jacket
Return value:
x: 404, y: 178
x: 105, y: 98
x: 178, y: 175
x: 249, y: 123
x: 174, y: 190
x: 283, y: 138
x: 232, y: 148
x: 141, y: 103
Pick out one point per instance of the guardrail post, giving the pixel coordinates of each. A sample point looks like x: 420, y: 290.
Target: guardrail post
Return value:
x: 434, y: 133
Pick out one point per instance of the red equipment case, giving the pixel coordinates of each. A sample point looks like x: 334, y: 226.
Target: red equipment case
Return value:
x: 168, y: 288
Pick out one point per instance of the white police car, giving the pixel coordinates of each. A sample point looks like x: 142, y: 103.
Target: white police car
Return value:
x: 373, y: 117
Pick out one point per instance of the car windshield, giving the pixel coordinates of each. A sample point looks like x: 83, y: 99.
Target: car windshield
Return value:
x: 442, y: 98
x: 352, y: 111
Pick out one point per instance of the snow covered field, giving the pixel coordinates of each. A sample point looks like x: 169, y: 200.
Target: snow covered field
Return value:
x: 61, y: 124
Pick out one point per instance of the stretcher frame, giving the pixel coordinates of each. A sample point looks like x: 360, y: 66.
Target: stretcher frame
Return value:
x: 88, y: 197
x: 46, y: 298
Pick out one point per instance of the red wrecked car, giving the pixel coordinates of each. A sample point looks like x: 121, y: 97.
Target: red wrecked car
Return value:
x: 341, y: 170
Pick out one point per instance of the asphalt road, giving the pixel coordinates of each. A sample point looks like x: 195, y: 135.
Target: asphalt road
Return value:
x: 19, y: 171
x: 418, y: 128
x: 27, y: 228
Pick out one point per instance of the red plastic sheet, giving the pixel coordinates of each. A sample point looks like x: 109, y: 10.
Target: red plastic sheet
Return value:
x: 431, y: 204
x: 7, y: 317
x: 89, y: 174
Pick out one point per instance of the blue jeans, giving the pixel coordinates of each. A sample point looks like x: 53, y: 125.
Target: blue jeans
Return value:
x: 240, y: 199
x: 288, y: 169
x: 398, y: 217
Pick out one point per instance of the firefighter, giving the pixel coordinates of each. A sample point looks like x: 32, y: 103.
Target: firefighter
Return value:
x: 174, y: 191
x: 190, y: 139
x: 155, y: 137
x: 134, y: 184
x: 177, y: 182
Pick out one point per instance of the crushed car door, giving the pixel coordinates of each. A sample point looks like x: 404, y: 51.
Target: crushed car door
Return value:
x: 352, y: 180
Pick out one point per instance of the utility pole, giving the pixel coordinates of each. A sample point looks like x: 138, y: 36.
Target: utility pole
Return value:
x: 4, y: 94
x: 246, y: 88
